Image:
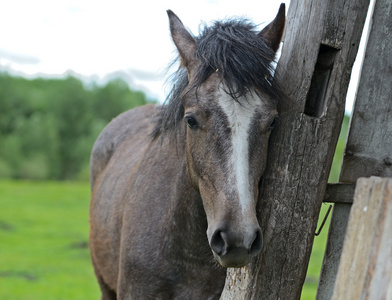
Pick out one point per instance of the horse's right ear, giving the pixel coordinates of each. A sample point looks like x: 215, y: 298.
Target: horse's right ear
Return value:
x: 183, y: 40
x: 273, y: 32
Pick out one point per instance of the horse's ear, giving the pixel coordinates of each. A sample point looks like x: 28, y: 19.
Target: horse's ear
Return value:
x: 273, y: 32
x: 183, y: 40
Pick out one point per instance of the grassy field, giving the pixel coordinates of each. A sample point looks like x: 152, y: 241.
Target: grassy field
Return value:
x: 44, y: 243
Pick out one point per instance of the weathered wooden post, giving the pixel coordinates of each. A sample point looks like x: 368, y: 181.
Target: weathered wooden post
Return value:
x: 320, y: 45
x: 365, y: 270
x: 369, y: 145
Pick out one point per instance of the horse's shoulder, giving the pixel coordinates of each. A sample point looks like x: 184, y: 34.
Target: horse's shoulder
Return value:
x: 117, y: 131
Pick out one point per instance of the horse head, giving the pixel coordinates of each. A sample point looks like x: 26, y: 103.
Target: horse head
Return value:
x: 229, y: 109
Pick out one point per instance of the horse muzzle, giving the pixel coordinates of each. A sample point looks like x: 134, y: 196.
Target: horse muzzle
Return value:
x: 235, y: 249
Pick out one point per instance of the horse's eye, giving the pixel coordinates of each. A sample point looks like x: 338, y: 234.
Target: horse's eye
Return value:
x: 273, y: 123
x: 191, y: 122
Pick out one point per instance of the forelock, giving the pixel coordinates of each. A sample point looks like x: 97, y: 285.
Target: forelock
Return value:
x: 234, y: 50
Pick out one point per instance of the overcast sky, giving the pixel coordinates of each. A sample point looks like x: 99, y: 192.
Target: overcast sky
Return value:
x: 95, y: 39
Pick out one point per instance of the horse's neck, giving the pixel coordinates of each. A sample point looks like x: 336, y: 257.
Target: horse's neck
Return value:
x: 187, y: 218
x: 187, y: 203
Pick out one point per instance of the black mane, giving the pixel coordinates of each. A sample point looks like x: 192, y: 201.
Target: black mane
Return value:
x: 234, y: 50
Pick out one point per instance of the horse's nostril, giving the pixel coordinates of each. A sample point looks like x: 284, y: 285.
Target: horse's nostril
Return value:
x: 234, y: 249
x: 217, y: 242
x: 257, y: 242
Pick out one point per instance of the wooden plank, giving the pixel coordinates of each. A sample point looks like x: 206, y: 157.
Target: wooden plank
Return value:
x: 321, y: 36
x: 336, y: 233
x: 365, y: 270
x: 369, y: 144
x: 339, y: 193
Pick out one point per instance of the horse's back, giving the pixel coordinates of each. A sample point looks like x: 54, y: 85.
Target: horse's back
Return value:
x: 128, y: 125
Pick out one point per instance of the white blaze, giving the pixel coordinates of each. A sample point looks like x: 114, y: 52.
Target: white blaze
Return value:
x: 240, y: 116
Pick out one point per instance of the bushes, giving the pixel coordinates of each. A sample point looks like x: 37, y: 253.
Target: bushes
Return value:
x: 48, y: 126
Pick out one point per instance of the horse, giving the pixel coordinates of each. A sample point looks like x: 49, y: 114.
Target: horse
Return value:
x: 175, y: 187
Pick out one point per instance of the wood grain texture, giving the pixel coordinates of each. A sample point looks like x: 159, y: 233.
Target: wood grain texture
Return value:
x: 301, y: 148
x: 336, y: 233
x: 369, y: 144
x: 339, y: 193
x: 365, y: 270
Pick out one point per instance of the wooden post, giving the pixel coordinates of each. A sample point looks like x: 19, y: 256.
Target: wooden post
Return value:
x: 320, y: 44
x: 369, y: 145
x: 333, y: 250
x: 365, y: 270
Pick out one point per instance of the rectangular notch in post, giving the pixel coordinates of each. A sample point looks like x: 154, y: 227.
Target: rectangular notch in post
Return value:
x: 315, y: 100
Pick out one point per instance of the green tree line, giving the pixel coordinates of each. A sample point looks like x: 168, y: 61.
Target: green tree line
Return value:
x: 48, y: 126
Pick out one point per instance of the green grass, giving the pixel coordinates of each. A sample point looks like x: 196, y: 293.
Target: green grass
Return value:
x: 44, y: 241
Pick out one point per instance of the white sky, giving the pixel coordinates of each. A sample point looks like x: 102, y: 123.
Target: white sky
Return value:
x: 96, y: 39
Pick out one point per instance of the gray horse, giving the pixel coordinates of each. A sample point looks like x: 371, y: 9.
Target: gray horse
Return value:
x: 175, y: 188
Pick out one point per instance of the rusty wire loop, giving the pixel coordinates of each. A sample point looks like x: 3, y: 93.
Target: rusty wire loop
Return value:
x: 324, y: 220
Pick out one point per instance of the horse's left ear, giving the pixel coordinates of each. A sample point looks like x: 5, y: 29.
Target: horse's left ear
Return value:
x: 273, y: 32
x: 183, y: 40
